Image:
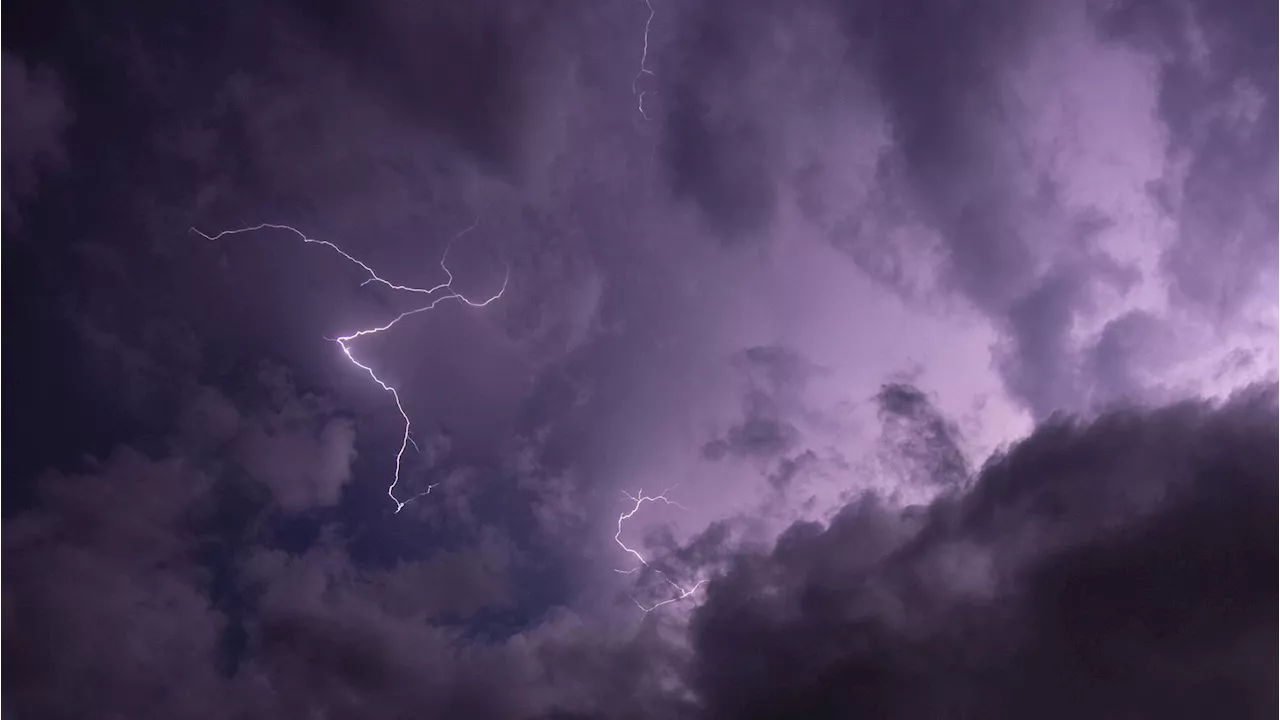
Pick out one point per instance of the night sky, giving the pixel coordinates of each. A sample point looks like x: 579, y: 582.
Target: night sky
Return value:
x: 845, y: 359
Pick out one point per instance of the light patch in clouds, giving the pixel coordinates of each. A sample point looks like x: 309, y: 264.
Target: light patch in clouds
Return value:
x: 1090, y: 113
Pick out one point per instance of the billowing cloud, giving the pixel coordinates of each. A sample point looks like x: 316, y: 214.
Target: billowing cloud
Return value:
x: 299, y: 449
x: 1087, y: 569
x: 925, y: 315
x: 991, y: 169
x: 1218, y: 100
x: 104, y: 609
x: 1093, y: 568
x: 129, y: 592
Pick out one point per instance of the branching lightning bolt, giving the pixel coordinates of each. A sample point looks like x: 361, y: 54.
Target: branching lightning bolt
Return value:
x: 344, y: 341
x: 640, y: 499
x: 644, y: 58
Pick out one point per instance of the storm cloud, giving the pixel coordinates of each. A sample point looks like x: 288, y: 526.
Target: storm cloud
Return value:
x: 33, y: 129
x: 1089, y: 569
x: 946, y: 331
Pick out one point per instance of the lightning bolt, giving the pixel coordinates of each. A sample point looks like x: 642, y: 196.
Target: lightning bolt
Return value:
x: 446, y: 292
x: 644, y: 58
x: 640, y: 499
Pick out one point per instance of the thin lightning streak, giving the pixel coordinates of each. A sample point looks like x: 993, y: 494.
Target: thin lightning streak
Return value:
x: 344, y: 341
x: 640, y: 499
x: 644, y: 57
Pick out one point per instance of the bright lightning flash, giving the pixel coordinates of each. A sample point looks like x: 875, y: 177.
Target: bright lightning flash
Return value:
x: 445, y: 292
x: 640, y: 499
x: 644, y: 58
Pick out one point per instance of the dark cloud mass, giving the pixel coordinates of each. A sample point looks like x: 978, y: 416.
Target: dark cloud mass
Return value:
x: 909, y: 359
x: 33, y: 128
x: 1121, y: 567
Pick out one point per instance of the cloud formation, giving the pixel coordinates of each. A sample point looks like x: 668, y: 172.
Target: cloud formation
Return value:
x: 301, y: 451
x: 923, y: 442
x: 929, y: 315
x: 1093, y: 568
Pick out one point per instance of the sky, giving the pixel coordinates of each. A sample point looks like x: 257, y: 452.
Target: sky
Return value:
x: 760, y: 359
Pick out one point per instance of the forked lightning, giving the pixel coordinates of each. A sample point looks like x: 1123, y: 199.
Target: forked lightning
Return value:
x: 640, y: 499
x: 446, y: 292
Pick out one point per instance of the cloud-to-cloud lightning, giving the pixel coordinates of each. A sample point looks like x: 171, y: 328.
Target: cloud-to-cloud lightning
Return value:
x: 437, y: 294
x: 640, y: 499
x: 644, y: 58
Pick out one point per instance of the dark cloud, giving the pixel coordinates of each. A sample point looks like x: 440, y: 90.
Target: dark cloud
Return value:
x: 738, y: 83
x: 1094, y: 568
x: 127, y: 591
x: 772, y: 440
x: 762, y: 433
x: 105, y: 612
x: 731, y: 187
x: 329, y: 636
x: 236, y: 555
x: 301, y: 449
x: 1106, y: 566
x: 771, y: 407
x: 1130, y: 344
x: 34, y: 126
x: 789, y: 468
x: 718, y: 153
x: 920, y: 439
x: 1037, y: 361
x: 408, y: 55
